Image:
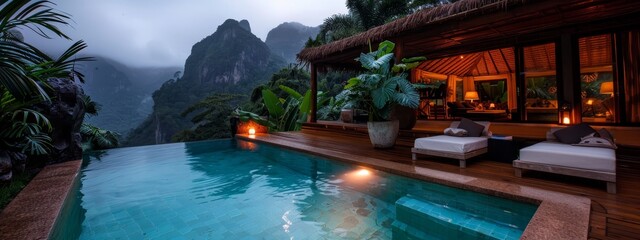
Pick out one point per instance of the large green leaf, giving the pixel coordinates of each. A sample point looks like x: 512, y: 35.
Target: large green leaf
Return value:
x: 368, y: 60
x: 291, y: 92
x: 305, y: 105
x: 385, y: 48
x: 371, y: 80
x: 245, y: 116
x: 352, y: 82
x: 290, y: 117
x: 407, y: 95
x: 382, y: 96
x: 383, y: 61
x: 273, y: 104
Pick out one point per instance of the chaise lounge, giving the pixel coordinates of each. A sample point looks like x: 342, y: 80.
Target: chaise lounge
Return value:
x: 456, y: 147
x: 554, y: 156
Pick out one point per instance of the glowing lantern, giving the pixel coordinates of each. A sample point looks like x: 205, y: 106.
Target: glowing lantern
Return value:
x: 252, y: 131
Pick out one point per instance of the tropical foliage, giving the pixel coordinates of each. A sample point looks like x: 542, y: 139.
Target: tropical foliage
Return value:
x: 95, y: 138
x: 23, y: 70
x: 284, y: 114
x: 366, y: 14
x: 24, y: 129
x: 383, y: 85
x: 211, y: 119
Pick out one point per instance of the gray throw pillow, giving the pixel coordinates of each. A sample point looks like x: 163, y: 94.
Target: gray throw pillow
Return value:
x: 473, y: 129
x: 456, y: 132
x: 594, y: 141
x: 603, y: 133
x: 573, y: 134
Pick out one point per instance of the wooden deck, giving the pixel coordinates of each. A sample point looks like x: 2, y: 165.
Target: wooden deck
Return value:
x: 613, y: 216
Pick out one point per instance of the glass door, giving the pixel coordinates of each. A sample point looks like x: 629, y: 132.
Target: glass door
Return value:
x: 540, y: 82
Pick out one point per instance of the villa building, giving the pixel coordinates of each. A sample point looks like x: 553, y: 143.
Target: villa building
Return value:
x: 542, y: 62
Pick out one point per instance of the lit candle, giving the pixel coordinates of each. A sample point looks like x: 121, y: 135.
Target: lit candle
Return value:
x: 566, y: 120
x: 252, y: 131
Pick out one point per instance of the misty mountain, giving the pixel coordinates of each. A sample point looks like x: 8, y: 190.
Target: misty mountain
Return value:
x: 123, y: 92
x: 287, y: 39
x: 231, y: 60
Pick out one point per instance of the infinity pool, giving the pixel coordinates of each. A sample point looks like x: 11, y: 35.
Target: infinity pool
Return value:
x: 230, y: 189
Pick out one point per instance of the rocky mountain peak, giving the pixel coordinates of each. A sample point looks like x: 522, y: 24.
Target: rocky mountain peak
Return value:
x: 288, y: 38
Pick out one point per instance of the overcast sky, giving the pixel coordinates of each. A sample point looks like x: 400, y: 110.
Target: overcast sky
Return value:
x: 161, y: 32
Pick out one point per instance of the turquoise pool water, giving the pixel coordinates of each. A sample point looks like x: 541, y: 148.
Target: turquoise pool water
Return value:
x: 231, y: 189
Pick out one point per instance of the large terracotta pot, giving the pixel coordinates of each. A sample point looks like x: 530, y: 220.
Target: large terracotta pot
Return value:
x: 346, y: 115
x: 383, y: 134
x: 407, y: 117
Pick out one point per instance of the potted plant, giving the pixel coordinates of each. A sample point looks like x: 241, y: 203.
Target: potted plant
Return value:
x: 379, y: 89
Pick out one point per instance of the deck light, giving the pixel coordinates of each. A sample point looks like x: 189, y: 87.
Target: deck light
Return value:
x: 363, y: 172
x: 252, y: 131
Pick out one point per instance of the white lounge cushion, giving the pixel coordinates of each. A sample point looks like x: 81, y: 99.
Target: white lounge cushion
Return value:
x: 446, y: 143
x: 560, y: 154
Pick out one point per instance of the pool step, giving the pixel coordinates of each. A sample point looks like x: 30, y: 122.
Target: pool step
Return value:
x: 417, y: 218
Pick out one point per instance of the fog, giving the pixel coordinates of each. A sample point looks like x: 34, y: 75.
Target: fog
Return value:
x: 144, y: 33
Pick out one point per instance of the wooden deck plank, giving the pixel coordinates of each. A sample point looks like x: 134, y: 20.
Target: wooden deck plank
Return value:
x: 612, y: 215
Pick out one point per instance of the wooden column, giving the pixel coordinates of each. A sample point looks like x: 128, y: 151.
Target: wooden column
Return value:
x: 521, y: 94
x: 569, y: 72
x: 314, y: 92
x: 398, y: 51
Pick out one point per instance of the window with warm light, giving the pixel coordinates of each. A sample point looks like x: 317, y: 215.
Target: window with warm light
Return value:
x: 541, y: 87
x: 597, y: 79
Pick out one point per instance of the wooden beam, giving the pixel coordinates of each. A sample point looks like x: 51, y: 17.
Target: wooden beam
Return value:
x: 314, y: 92
x: 505, y: 60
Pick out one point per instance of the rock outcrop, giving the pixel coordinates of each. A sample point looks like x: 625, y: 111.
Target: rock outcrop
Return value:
x: 66, y: 113
x: 231, y: 60
x: 287, y: 39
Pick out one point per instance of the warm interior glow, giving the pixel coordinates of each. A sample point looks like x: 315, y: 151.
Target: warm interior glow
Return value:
x: 606, y: 88
x: 492, y: 106
x: 471, y: 95
x: 566, y: 120
x: 590, y: 102
x: 252, y: 131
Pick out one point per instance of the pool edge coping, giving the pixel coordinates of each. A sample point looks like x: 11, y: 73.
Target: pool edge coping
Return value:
x: 33, y: 213
x: 559, y: 215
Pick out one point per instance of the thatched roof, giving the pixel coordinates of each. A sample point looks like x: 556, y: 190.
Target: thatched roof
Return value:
x: 420, y: 19
x: 470, y: 26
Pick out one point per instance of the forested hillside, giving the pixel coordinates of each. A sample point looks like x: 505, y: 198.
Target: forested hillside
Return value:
x: 231, y: 60
x: 123, y: 92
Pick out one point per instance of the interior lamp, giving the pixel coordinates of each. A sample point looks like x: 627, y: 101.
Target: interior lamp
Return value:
x: 606, y: 88
x: 492, y: 106
x: 471, y: 95
x: 252, y: 131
